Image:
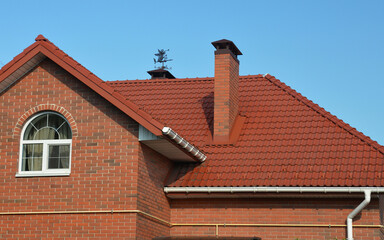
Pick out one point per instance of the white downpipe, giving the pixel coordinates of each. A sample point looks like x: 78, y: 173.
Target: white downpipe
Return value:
x: 358, y: 209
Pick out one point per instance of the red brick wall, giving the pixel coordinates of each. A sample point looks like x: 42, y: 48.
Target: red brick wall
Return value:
x: 104, y: 164
x: 153, y: 170
x: 226, y: 100
x: 274, y: 211
x: 69, y: 226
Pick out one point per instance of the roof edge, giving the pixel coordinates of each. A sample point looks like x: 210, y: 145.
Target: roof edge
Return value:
x: 17, y: 59
x: 44, y: 46
x: 337, y: 121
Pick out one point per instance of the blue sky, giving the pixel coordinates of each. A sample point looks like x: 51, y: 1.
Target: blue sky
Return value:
x: 332, y: 52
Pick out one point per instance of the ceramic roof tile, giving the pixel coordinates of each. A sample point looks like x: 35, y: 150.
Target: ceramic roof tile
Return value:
x: 286, y: 140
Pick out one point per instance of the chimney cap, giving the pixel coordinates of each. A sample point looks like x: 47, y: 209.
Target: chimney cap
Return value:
x: 160, y: 73
x: 226, y: 44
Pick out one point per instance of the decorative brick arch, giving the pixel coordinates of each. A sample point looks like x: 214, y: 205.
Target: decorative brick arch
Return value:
x: 45, y: 107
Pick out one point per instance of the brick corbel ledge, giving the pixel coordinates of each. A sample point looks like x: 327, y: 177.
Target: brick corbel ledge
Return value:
x: 41, y: 108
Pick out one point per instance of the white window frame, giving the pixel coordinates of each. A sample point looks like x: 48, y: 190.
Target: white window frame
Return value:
x: 46, y: 143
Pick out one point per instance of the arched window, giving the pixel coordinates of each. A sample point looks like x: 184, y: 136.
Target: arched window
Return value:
x: 45, y: 147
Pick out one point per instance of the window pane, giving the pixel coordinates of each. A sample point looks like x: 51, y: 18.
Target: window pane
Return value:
x: 29, y: 132
x: 48, y: 126
x: 46, y: 133
x: 40, y: 121
x: 34, y: 126
x: 55, y: 121
x: 58, y: 156
x: 65, y: 131
x: 32, y: 157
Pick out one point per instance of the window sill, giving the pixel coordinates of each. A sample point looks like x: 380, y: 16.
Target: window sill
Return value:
x: 42, y: 174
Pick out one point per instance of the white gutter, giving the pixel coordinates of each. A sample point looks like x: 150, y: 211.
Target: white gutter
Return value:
x: 358, y: 209
x: 272, y: 189
x: 167, y: 131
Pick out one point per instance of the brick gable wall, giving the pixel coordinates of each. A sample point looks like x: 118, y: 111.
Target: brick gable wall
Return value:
x: 104, y: 164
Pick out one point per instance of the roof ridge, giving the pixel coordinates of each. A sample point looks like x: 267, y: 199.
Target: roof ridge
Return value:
x: 337, y: 121
x: 173, y: 80
x: 176, y: 79
x: 158, y: 80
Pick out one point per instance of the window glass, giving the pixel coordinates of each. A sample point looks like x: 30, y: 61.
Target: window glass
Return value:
x: 55, y: 121
x: 58, y: 156
x: 32, y: 157
x: 30, y: 132
x: 65, y: 131
x: 46, y: 133
x: 48, y: 126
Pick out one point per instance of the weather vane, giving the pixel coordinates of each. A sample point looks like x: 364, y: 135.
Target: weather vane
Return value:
x: 162, y: 58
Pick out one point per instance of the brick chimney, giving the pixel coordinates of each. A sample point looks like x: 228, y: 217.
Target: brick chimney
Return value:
x: 226, y: 101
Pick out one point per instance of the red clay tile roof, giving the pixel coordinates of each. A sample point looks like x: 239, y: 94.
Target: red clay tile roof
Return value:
x: 287, y: 140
